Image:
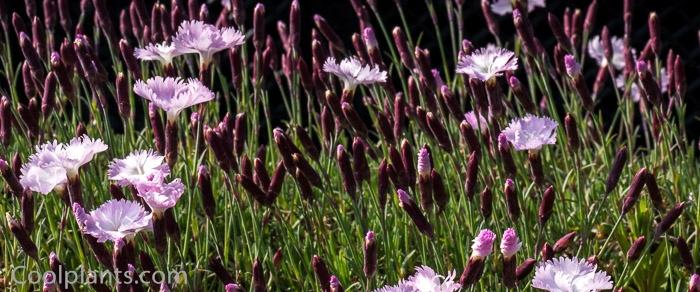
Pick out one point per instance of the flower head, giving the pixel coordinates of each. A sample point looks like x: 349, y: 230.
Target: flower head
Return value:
x: 162, y: 52
x: 531, y: 132
x: 53, y: 163
x: 503, y: 7
x: 510, y: 244
x: 173, y: 94
x: 694, y: 283
x: 596, y: 51
x: 136, y: 167
x: 486, y: 63
x: 424, y: 166
x: 573, y: 69
x: 570, y: 274
x: 481, y: 123
x: 352, y: 73
x: 158, y: 194
x: 113, y: 220
x: 425, y: 280
x: 195, y: 36
x: 483, y: 243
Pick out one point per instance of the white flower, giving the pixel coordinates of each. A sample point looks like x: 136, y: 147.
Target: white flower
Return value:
x: 531, y: 132
x: 195, y: 36
x: 113, y: 220
x: 570, y: 275
x: 425, y: 280
x: 597, y: 52
x: 503, y: 7
x: 488, y: 62
x: 352, y: 73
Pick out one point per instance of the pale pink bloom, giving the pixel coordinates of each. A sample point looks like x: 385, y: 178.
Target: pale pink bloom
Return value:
x: 510, y: 243
x: 694, y: 283
x: 162, y: 52
x: 195, y: 36
x: 482, y: 245
x: 570, y: 274
x: 479, y: 124
x: 503, y: 7
x: 136, y: 167
x: 232, y: 287
x: 531, y: 132
x: 43, y: 173
x: 158, y: 194
x: 486, y: 63
x: 173, y: 94
x: 113, y: 220
x: 352, y: 73
x: 425, y: 280
x: 53, y: 163
x: 597, y: 52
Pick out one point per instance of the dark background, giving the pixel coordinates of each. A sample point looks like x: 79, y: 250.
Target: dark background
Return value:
x: 679, y: 21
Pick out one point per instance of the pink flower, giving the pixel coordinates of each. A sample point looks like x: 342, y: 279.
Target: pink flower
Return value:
x: 158, y: 194
x: 483, y: 243
x: 53, y: 163
x: 570, y: 274
x: 424, y: 166
x: 195, y: 36
x: 694, y: 283
x: 503, y: 7
x: 531, y: 132
x: 486, y: 63
x: 162, y: 52
x: 173, y: 94
x: 352, y: 73
x: 481, y: 124
x: 573, y: 69
x: 510, y: 244
x: 113, y: 220
x: 136, y: 167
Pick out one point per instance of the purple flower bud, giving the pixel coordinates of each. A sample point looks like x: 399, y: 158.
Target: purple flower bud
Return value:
x: 424, y: 166
x: 558, y: 31
x: 511, y: 200
x: 321, y: 271
x: 634, y: 190
x: 472, y: 173
x: 216, y: 265
x: 276, y: 181
x: 402, y: 47
x: 20, y: 233
x: 439, y: 132
x: 440, y: 194
x: 482, y: 245
x: 547, y: 252
x: 546, y: 206
x: 205, y: 188
x: 346, y: 172
x: 253, y: 190
x: 258, y: 280
x: 525, y: 268
x: 563, y: 242
x: 486, y: 202
x: 685, y: 254
x: 11, y: 180
x: 635, y: 250
x: 335, y: 285
x: 354, y: 119
x: 382, y: 182
x: 590, y: 17
x: 506, y: 156
x: 370, y: 247
x: 407, y: 203
x: 510, y: 244
x: 668, y: 220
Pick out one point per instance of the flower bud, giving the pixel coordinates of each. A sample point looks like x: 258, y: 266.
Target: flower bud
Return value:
x: 685, y: 254
x: 571, y: 132
x: 546, y: 252
x: 22, y: 237
x: 668, y: 220
x: 694, y: 283
x: 635, y: 250
x: 346, y: 171
x: 472, y: 173
x: 11, y: 179
x: 276, y: 182
x: 402, y: 47
x: 382, y: 182
x: 321, y: 271
x: 525, y: 268
x: 486, y: 202
x: 370, y: 264
x: 258, y: 277
x: 563, y: 242
x: 27, y: 202
x: 546, y: 205
x: 440, y: 194
x: 253, y: 190
x: 335, y: 285
x: 216, y: 265
x: 205, y: 189
x: 506, y: 157
x: 128, y: 55
x: 511, y: 200
x: 354, y: 119
x: 558, y: 31
x: 634, y: 190
x: 439, y: 132
x: 408, y: 205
